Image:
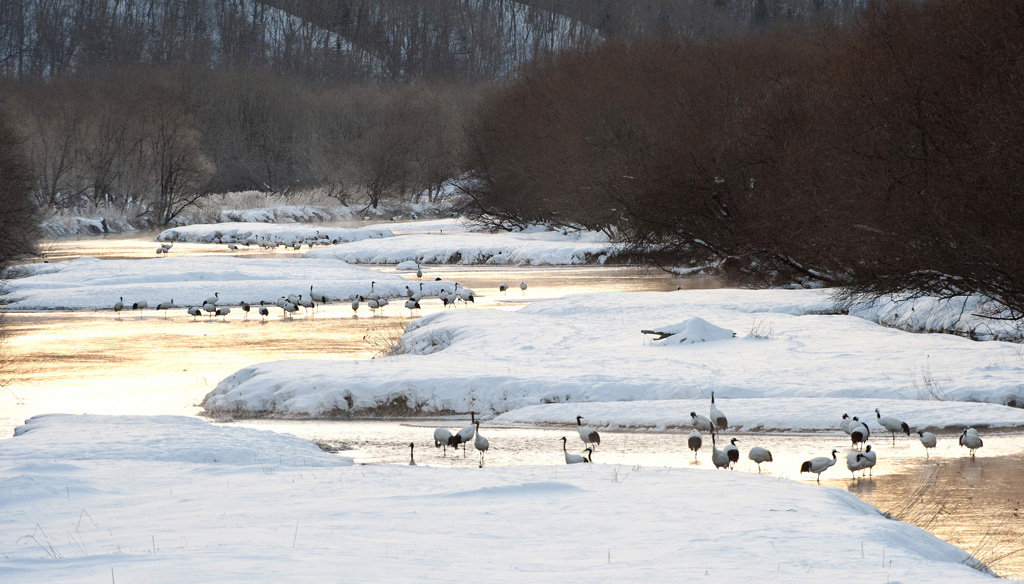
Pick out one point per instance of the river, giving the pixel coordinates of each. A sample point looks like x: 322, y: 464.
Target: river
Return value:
x: 99, y: 362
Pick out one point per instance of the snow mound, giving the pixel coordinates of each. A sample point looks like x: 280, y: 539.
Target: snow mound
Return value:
x: 408, y: 266
x: 522, y: 490
x: 691, y: 330
x: 158, y: 439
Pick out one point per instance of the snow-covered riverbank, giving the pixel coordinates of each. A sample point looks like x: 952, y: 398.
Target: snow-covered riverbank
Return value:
x: 90, y: 283
x: 168, y: 499
x: 590, y: 348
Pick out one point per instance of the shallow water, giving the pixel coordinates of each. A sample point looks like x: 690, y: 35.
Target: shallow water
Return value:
x: 151, y: 363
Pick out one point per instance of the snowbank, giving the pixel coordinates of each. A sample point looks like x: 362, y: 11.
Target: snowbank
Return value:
x: 162, y: 439
x: 535, y: 248
x: 188, y: 280
x: 269, y: 233
x: 772, y: 414
x: 589, y: 348
x: 961, y: 315
x: 91, y: 499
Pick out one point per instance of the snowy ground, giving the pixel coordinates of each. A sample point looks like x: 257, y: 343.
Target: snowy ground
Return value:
x: 172, y: 499
x: 188, y: 280
x: 589, y: 348
x: 257, y: 233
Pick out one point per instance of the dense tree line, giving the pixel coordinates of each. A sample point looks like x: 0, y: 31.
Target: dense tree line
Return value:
x: 152, y: 141
x: 19, y: 222
x: 886, y: 156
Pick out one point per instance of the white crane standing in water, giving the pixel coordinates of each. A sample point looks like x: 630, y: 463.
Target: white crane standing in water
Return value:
x: 717, y: 417
x: 893, y: 425
x: 701, y: 423
x: 928, y: 440
x: 759, y: 455
x: 971, y: 440
x: 443, y: 439
x: 719, y: 457
x: 819, y: 464
x: 571, y: 458
x: 588, y: 435
x: 165, y: 305
x: 694, y: 441
x: 481, y: 444
x: 465, y: 434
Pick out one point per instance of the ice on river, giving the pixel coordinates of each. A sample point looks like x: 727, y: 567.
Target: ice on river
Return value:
x: 164, y: 499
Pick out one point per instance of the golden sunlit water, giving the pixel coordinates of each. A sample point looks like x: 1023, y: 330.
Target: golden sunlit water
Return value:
x: 152, y: 363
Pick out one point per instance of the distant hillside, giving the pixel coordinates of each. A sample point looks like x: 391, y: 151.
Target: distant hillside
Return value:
x: 359, y: 39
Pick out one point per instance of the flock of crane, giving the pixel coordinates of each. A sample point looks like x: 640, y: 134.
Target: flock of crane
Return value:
x: 291, y: 304
x: 861, y: 458
x: 265, y: 243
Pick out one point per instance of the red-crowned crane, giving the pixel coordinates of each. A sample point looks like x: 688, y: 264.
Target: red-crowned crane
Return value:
x: 859, y: 433
x: 759, y: 455
x: 588, y: 435
x: 893, y: 425
x: 869, y: 458
x: 719, y: 457
x: 694, y: 441
x: 819, y: 464
x: 165, y: 305
x: 443, y: 439
x: 480, y: 443
x: 717, y: 416
x: 321, y: 298
x: 572, y: 458
x: 465, y: 434
x: 854, y: 460
x: 733, y: 452
x: 701, y: 423
x: 971, y: 440
x: 928, y: 440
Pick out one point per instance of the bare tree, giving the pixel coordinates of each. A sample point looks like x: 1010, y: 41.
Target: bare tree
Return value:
x: 179, y: 171
x: 19, y: 222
